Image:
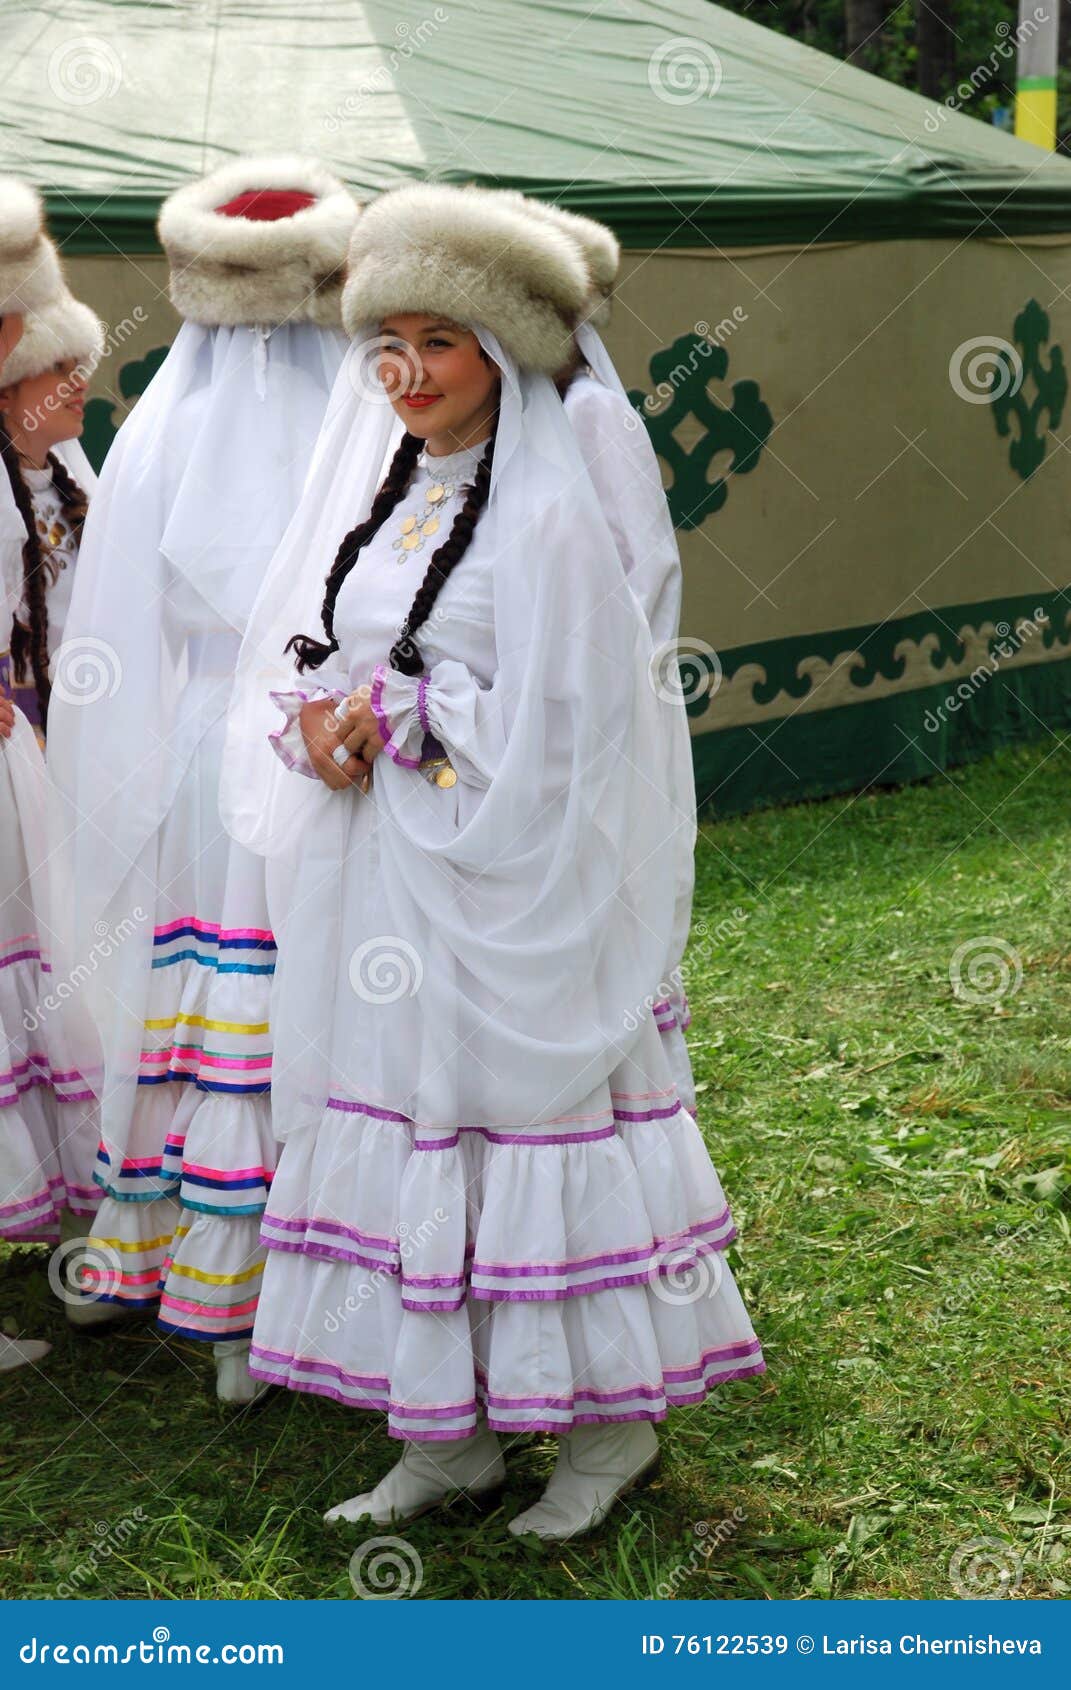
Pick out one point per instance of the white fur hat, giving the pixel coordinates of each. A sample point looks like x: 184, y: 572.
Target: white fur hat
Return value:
x: 56, y: 326
x: 260, y: 240
x: 29, y: 269
x: 599, y: 248
x: 475, y: 257
x: 61, y: 330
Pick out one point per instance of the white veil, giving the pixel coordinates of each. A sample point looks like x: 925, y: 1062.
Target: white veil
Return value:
x: 652, y: 562
x: 195, y: 493
x: 536, y: 926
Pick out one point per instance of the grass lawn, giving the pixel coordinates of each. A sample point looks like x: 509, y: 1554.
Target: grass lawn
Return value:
x: 895, y: 1151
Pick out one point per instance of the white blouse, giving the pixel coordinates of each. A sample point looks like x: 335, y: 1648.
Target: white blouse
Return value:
x: 457, y: 641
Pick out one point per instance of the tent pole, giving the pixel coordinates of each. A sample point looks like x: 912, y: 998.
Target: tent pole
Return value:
x: 1035, y: 93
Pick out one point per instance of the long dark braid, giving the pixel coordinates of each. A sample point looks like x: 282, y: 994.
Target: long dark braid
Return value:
x: 74, y: 501
x: 312, y: 653
x: 29, y: 647
x: 404, y: 653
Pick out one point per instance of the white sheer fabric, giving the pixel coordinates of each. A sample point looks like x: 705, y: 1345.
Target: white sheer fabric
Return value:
x: 195, y: 493
x: 533, y: 906
x: 624, y: 470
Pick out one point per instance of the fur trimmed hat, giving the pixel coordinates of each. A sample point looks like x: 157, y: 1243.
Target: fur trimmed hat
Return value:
x: 476, y: 258
x: 62, y: 330
x: 29, y: 269
x: 56, y: 326
x: 260, y: 240
x: 599, y: 248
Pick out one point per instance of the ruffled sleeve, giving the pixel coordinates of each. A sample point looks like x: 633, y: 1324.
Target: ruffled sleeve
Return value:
x: 288, y: 742
x: 449, y: 705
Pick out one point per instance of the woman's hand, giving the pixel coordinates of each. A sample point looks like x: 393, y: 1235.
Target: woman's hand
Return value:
x: 7, y: 717
x: 322, y: 735
x: 360, y: 730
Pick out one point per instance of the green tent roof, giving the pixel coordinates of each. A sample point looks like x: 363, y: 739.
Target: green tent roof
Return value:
x: 677, y: 122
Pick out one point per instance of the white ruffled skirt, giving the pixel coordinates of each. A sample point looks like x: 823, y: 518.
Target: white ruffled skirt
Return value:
x: 552, y: 1276
x: 178, y: 1227
x: 47, y: 1111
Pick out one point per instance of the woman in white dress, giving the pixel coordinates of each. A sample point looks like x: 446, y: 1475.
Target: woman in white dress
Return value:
x: 197, y: 490
x: 489, y: 1187
x: 48, y: 1122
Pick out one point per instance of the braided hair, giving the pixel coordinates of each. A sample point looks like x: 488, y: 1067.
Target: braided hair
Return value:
x: 29, y: 646
x: 404, y: 654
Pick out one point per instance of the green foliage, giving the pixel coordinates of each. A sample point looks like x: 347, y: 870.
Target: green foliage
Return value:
x: 979, y: 29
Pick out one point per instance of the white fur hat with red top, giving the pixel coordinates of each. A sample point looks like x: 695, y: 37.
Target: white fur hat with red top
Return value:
x: 259, y: 241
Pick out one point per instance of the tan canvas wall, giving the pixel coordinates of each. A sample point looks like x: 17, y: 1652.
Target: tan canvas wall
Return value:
x: 881, y: 491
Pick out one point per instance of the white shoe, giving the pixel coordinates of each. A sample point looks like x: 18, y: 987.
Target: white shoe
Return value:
x: 596, y: 1465
x: 20, y: 1352
x: 82, y: 1308
x: 234, y: 1382
x: 425, y: 1477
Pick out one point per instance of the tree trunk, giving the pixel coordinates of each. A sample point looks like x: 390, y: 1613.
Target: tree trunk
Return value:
x: 863, y: 24
x: 936, y: 41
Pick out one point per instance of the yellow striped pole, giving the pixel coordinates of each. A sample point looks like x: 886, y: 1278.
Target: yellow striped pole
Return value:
x: 1035, y: 89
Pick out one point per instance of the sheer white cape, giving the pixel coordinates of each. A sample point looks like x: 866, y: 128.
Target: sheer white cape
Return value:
x: 553, y: 899
x: 196, y: 491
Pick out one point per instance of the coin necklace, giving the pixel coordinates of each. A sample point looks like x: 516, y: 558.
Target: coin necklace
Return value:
x: 416, y: 529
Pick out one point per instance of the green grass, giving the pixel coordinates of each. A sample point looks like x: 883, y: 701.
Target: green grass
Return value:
x: 896, y: 1158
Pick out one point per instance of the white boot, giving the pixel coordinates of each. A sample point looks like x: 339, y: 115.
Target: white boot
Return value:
x: 82, y: 1308
x: 596, y: 1465
x: 426, y: 1476
x: 20, y: 1352
x: 234, y: 1382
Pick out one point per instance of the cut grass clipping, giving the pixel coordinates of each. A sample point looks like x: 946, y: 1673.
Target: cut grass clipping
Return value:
x: 881, y: 990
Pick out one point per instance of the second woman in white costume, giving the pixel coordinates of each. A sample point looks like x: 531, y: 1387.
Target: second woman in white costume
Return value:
x: 48, y: 1124
x: 489, y: 1181
x: 196, y: 492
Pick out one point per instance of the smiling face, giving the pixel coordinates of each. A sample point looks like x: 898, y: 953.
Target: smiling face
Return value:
x: 44, y: 410
x: 438, y: 380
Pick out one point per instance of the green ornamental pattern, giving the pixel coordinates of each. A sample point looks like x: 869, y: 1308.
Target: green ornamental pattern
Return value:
x: 1031, y: 332
x: 100, y: 426
x: 681, y: 375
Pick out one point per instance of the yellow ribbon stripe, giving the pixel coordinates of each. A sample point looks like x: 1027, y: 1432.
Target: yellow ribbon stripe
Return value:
x: 217, y: 1278
x: 212, y: 1026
